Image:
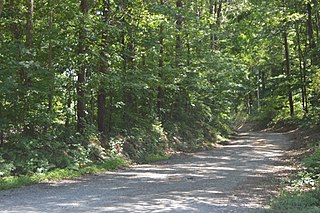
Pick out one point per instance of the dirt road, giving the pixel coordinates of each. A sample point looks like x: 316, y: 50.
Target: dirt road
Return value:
x: 237, y: 177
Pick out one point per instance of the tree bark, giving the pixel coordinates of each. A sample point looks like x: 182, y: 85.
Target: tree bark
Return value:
x: 215, y: 9
x: 128, y: 55
x: 211, y: 11
x: 1, y: 6
x: 178, y: 57
x: 160, y: 93
x: 50, y: 61
x: 69, y: 95
x: 288, y: 72
x: 110, y: 110
x: 179, y: 20
x: 102, y: 94
x: 310, y: 27
x: 29, y: 27
x: 302, y: 70
x: 316, y: 7
x: 82, y: 47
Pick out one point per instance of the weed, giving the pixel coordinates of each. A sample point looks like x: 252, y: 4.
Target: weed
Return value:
x: 59, y: 174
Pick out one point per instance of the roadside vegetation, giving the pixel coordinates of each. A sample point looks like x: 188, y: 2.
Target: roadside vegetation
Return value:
x: 301, y: 192
x: 83, y: 82
x: 112, y: 163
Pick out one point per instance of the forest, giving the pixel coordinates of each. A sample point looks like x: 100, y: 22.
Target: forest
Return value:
x: 82, y: 81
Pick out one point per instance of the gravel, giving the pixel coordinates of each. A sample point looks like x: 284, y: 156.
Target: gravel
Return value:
x: 238, y: 177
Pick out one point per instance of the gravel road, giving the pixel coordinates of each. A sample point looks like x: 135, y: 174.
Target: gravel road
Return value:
x: 237, y: 177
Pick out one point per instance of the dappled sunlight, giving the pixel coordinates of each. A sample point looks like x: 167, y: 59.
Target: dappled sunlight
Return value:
x: 224, y: 179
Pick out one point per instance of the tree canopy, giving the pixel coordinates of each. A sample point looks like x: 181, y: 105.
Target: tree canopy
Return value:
x: 84, y: 78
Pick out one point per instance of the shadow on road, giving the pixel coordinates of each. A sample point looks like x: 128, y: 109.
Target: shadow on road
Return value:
x: 238, y: 177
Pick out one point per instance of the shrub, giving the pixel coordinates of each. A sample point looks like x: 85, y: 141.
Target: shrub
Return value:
x: 312, y: 163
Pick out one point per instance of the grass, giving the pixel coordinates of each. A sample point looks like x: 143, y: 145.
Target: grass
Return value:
x: 154, y: 158
x: 59, y: 174
x: 305, y: 197
x: 298, y: 201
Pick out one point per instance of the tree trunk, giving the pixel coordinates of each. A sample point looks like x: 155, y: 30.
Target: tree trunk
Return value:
x: 302, y: 73
x: 69, y: 101
x: 263, y: 83
x: 102, y: 112
x: 29, y: 39
x: 81, y: 108
x: 316, y: 7
x: 1, y: 137
x: 29, y: 128
x: 1, y: 6
x: 160, y: 94
x: 211, y: 11
x: 92, y: 104
x: 50, y: 55
x: 110, y: 111
x: 179, y: 20
x: 16, y: 30
x: 29, y: 27
x: 215, y: 11
x: 102, y: 94
x: 128, y: 55
x: 288, y: 72
x: 178, y: 57
x: 310, y: 27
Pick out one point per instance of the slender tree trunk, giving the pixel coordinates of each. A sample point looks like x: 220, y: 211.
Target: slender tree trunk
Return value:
x: 26, y: 80
x: 82, y: 47
x: 211, y: 11
x: 302, y: 72
x: 131, y: 100
x: 188, y: 50
x: 110, y: 111
x: 102, y: 113
x: 1, y: 6
x: 128, y: 60
x: 92, y: 104
x: 263, y: 82
x: 1, y: 137
x: 160, y: 94
x: 179, y: 20
x: 310, y: 27
x: 178, y: 57
x: 68, y: 100
x: 29, y: 27
x: 316, y: 6
x: 29, y: 39
x: 16, y: 30
x: 288, y: 72
x: 218, y: 13
x: 50, y: 65
x: 215, y: 11
x: 102, y: 94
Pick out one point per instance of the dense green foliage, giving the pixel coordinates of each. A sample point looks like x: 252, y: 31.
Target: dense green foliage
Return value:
x: 83, y: 79
x: 283, y: 54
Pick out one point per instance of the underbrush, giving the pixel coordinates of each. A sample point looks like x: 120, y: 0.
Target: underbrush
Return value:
x: 59, y: 152
x: 303, y: 194
x: 9, y: 182
x: 274, y: 114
